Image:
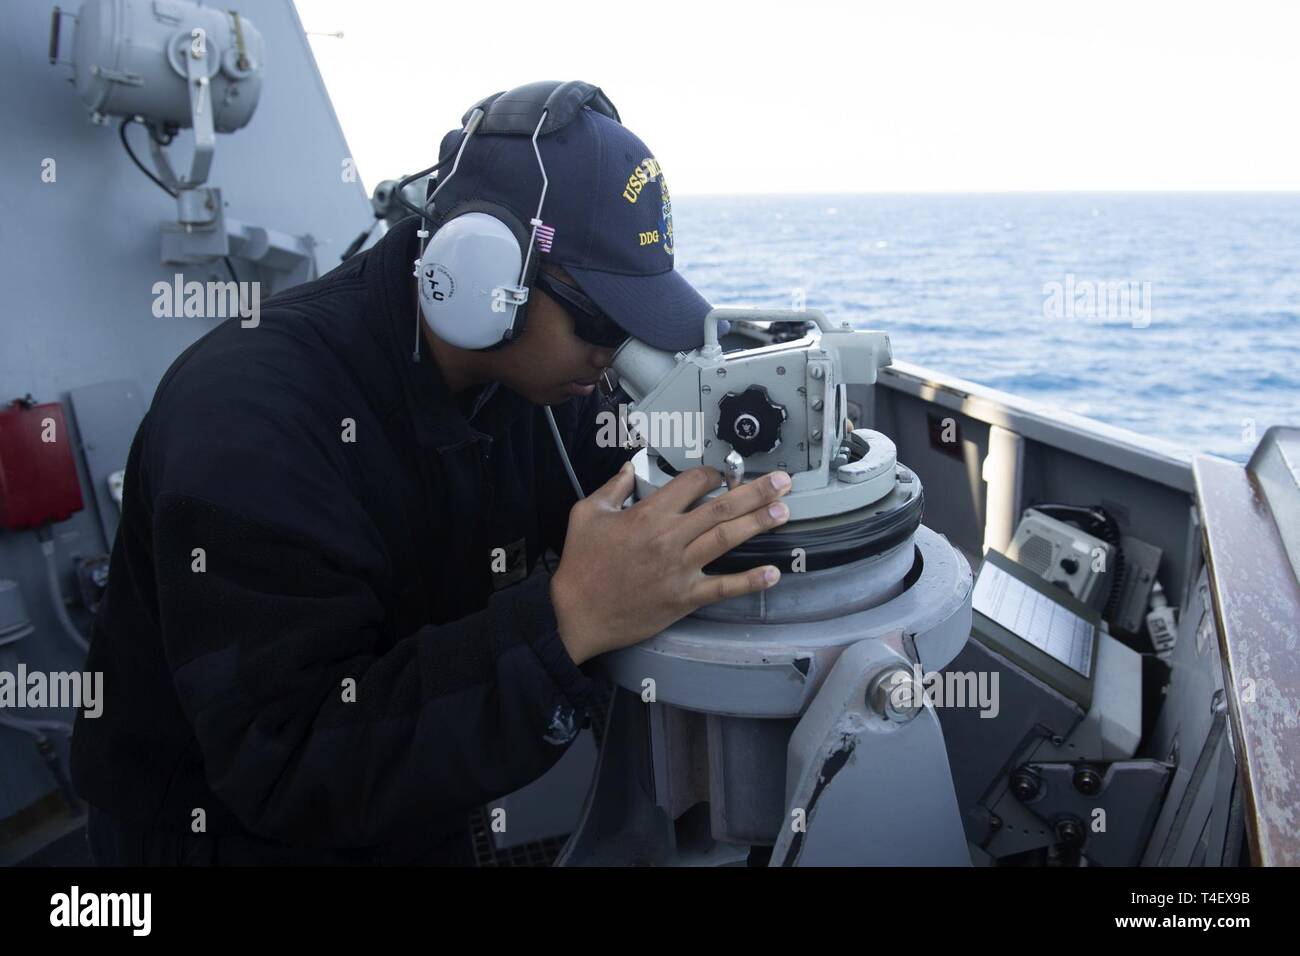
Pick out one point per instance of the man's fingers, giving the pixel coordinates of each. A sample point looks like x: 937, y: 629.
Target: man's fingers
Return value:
x: 721, y: 538
x: 718, y: 587
x: 689, y: 486
x: 751, y: 496
x: 614, y: 492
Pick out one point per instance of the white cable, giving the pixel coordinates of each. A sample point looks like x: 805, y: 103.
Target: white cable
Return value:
x: 56, y: 596
x: 564, y: 455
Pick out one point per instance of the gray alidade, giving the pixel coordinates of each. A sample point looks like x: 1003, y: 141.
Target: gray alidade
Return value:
x: 763, y: 728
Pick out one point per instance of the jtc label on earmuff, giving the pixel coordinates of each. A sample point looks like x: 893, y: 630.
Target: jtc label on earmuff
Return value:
x: 439, y: 286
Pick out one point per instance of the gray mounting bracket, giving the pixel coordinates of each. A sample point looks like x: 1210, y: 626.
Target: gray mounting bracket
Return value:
x: 869, y: 784
x: 201, y: 233
x: 282, y: 260
x: 1106, y: 810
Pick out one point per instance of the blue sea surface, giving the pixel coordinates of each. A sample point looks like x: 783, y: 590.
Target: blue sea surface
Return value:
x: 1206, y: 355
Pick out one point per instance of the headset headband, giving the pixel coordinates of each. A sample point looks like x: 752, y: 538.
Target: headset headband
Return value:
x: 517, y: 112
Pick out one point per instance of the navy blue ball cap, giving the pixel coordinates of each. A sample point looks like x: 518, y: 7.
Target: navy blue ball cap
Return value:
x: 607, y: 214
x: 662, y: 310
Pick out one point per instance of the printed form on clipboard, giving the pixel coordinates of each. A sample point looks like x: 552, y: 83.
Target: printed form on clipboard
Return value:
x: 1037, y: 624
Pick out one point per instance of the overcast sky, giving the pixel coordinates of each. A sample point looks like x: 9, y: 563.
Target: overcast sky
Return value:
x: 819, y: 96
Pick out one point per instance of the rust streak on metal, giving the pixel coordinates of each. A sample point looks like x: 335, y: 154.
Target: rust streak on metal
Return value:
x: 1257, y: 609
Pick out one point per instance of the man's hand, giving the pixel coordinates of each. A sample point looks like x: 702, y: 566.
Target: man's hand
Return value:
x: 626, y: 574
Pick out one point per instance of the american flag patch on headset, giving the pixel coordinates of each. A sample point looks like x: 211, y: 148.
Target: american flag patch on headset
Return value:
x: 545, y: 234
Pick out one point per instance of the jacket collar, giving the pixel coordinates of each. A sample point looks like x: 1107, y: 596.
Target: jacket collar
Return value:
x: 435, y: 414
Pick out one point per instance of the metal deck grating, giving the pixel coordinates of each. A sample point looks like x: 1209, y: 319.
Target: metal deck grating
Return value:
x: 537, y: 853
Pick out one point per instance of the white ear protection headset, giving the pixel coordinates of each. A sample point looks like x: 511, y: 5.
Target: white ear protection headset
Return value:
x: 474, y: 272
x: 474, y: 276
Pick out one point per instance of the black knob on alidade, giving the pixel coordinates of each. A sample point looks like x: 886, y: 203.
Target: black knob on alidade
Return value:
x: 749, y: 421
x: 1069, y: 565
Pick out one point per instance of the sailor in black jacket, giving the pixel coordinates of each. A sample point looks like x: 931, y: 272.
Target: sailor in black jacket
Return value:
x: 327, y: 635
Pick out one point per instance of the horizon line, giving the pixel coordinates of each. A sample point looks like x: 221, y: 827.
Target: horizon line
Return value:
x: 999, y: 192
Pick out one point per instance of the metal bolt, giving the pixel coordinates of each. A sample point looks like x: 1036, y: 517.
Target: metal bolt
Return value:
x: 817, y: 372
x: 818, y: 405
x: 722, y: 373
x: 1069, y: 831
x: 1025, y: 784
x: 746, y: 426
x: 1087, y: 781
x: 705, y: 389
x: 780, y: 370
x: 817, y: 434
x: 734, y: 468
x: 895, y: 695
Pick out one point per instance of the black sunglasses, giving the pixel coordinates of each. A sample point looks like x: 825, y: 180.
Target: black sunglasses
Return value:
x: 589, y: 323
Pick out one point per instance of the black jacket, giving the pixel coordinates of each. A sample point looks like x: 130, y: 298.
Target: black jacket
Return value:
x: 265, y: 566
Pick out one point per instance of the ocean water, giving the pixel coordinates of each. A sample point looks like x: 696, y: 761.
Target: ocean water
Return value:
x: 1176, y: 316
